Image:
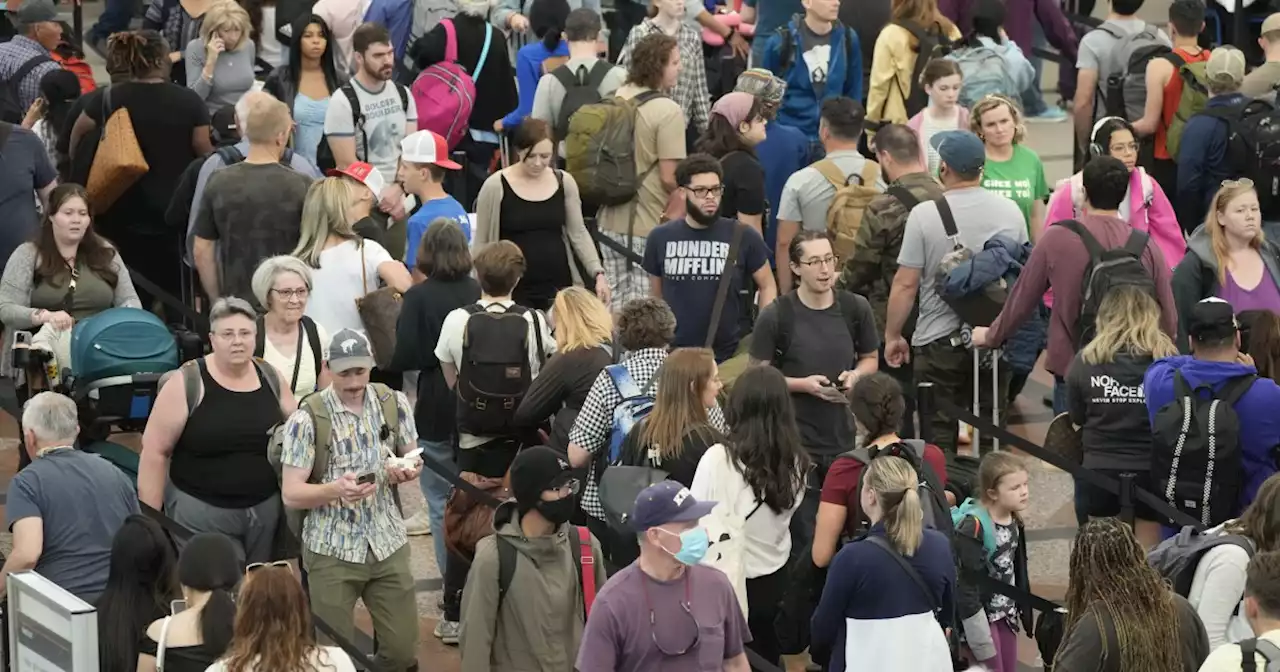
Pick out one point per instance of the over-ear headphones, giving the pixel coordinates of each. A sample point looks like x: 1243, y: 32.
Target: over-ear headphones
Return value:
x: 1096, y: 149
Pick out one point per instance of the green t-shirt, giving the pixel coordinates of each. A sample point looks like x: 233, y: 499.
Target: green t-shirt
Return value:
x: 1020, y: 179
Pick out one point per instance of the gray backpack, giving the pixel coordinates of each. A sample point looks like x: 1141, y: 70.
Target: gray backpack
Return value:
x: 1177, y: 557
x: 1123, y: 80
x: 1270, y: 653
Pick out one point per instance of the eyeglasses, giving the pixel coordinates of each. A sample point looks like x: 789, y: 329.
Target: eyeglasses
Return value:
x: 822, y: 261
x: 1242, y: 182
x: 704, y: 192
x: 229, y: 335
x: 570, y: 488
x: 287, y: 294
x: 255, y: 566
x: 684, y: 606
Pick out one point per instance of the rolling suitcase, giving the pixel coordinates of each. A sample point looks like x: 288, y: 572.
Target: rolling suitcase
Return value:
x: 980, y: 357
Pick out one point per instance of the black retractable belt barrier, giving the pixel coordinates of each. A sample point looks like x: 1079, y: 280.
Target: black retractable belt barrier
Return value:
x: 617, y: 247
x: 196, y: 320
x: 757, y: 663
x: 177, y: 532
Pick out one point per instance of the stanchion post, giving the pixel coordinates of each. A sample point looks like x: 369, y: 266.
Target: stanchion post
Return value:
x: 926, y: 406
x: 1126, y: 498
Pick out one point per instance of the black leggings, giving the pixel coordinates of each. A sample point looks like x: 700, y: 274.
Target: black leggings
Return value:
x: 764, y: 595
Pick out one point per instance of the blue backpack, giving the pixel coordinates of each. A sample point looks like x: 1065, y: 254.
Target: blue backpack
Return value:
x: 636, y: 404
x: 971, y: 508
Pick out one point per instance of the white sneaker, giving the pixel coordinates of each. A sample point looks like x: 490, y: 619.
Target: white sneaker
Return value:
x: 418, y: 524
x: 447, y: 631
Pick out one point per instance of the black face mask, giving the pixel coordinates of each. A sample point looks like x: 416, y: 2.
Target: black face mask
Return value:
x: 558, y: 512
x: 698, y: 215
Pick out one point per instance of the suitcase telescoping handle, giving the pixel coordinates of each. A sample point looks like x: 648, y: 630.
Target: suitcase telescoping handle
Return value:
x: 977, y: 396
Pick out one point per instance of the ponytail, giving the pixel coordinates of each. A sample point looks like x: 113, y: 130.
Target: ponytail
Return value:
x: 217, y: 620
x: 894, y: 482
x: 904, y: 524
x: 551, y: 39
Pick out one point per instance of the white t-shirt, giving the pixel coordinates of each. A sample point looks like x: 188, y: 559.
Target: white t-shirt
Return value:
x: 323, y: 659
x: 449, y: 349
x: 384, y: 121
x: 284, y: 362
x: 337, y: 283
x: 1226, y: 658
x: 767, y: 533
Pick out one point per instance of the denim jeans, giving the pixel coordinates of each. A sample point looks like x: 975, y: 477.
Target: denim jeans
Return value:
x: 115, y: 18
x: 1033, y: 99
x: 436, y: 491
x: 1059, y: 395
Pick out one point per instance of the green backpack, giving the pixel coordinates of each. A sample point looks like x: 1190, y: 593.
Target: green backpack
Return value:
x: 1195, y: 95
x: 600, y: 149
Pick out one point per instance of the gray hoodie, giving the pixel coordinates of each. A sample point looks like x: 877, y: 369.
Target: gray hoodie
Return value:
x: 538, y: 626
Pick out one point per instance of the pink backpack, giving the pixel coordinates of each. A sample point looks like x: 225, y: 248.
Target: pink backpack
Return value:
x: 444, y: 93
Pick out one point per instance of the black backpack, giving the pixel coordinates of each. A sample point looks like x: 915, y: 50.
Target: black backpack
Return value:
x: 933, y: 498
x: 581, y: 87
x: 11, y: 109
x: 494, y: 373
x: 1108, y: 269
x: 1177, y: 557
x: 1253, y: 148
x: 846, y: 304
x: 324, y: 155
x: 931, y: 43
x: 788, y: 47
x: 1195, y: 450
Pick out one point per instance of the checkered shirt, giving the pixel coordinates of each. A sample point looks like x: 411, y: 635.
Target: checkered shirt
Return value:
x: 691, y: 92
x: 13, y: 55
x: 591, y: 430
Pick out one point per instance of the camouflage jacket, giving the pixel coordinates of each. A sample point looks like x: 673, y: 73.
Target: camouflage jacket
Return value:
x: 870, y: 269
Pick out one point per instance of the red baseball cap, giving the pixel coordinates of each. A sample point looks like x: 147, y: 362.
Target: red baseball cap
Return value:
x: 362, y: 173
x: 427, y: 147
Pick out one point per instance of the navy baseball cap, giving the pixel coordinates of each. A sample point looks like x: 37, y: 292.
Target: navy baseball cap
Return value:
x: 666, y: 502
x: 962, y: 151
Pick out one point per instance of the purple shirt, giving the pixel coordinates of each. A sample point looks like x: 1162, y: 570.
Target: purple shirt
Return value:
x: 1266, y: 296
x: 618, y: 636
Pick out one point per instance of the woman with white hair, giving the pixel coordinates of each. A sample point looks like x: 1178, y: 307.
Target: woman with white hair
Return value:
x: 287, y: 338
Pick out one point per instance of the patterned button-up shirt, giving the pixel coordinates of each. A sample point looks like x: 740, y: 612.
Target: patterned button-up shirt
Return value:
x: 691, y: 92
x: 13, y: 55
x: 348, y: 531
x: 595, y: 421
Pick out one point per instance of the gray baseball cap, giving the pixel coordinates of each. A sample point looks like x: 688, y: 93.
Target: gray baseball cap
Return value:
x: 35, y: 11
x: 349, y: 349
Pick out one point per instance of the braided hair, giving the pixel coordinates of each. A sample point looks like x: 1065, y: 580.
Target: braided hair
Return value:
x: 140, y: 53
x: 878, y: 405
x: 1110, y: 578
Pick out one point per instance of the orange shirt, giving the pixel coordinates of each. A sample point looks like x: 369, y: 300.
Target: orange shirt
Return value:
x: 1172, y: 93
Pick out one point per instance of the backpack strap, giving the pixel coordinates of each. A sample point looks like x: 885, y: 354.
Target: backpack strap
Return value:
x: 786, y: 316
x: 322, y: 424
x: 390, y: 409
x: 230, y: 155
x: 585, y: 564
x: 192, y: 382
x: 1271, y: 652
x: 623, y: 382
x: 313, y: 339
x: 15, y: 79
x: 726, y: 277
x: 1249, y: 647
x: 357, y: 115
x: 484, y: 53
x: 568, y: 78
x: 948, y: 218
x: 163, y: 644
x: 599, y: 71
x: 904, y: 196
x: 1090, y: 243
x: 1137, y: 243
x: 269, y: 375
x: 450, y: 41
x: 506, y: 566
x: 832, y: 173
x: 786, y: 48
x: 260, y: 340
x: 1176, y: 59
x: 884, y: 545
x: 1237, y: 387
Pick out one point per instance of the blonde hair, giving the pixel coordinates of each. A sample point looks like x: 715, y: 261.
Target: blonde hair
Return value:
x: 991, y: 102
x: 223, y: 14
x: 1128, y: 322
x: 267, y: 119
x: 324, y: 213
x: 1229, y: 191
x: 677, y: 406
x: 894, y: 481
x: 582, y: 321
x: 994, y: 467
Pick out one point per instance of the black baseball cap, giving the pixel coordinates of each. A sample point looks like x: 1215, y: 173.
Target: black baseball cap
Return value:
x: 534, y: 470
x: 1212, y: 319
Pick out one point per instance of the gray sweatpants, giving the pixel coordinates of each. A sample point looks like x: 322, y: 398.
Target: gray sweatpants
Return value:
x: 253, y: 529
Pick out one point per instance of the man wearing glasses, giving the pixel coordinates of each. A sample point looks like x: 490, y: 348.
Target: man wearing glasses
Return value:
x: 534, y: 564
x: 686, y: 257
x: 665, y: 611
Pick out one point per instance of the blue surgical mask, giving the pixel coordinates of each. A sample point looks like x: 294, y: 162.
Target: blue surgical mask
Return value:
x: 693, y: 545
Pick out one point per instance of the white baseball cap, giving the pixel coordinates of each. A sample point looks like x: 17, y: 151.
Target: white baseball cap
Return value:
x: 364, y: 174
x: 427, y: 147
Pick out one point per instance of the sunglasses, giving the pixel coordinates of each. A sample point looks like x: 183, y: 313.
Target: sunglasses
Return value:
x: 255, y: 566
x: 1242, y: 182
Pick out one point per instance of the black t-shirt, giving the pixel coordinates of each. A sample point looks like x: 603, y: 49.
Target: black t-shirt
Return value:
x: 820, y: 343
x: 696, y: 441
x: 743, y: 185
x: 1109, y: 404
x: 164, y: 117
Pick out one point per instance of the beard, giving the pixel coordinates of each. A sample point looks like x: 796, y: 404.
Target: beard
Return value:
x: 698, y: 215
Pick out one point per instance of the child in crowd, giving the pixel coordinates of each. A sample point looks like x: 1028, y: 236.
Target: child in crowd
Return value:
x: 942, y: 80
x: 989, y: 538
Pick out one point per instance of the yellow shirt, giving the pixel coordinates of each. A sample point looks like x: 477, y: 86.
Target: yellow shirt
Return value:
x: 892, y: 65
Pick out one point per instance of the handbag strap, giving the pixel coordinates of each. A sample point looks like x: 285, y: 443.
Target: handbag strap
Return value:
x: 364, y: 277
x: 884, y: 545
x: 726, y: 276
x: 161, y: 645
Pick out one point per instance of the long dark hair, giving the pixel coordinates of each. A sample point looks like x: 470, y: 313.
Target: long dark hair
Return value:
x: 764, y: 441
x: 722, y: 138
x: 94, y: 250
x: 209, y: 563
x: 326, y: 59
x: 60, y: 89
x: 141, y: 582
x: 1263, y: 343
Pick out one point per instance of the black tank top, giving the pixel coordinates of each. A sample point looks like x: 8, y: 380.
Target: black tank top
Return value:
x: 221, y: 457
x: 537, y: 228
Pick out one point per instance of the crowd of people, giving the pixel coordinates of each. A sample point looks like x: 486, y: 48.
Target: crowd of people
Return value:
x: 666, y: 295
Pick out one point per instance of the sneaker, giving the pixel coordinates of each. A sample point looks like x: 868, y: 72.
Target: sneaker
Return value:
x: 447, y: 631
x: 1051, y: 115
x: 417, y: 525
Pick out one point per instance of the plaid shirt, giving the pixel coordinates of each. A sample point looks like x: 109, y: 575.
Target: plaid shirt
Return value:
x: 691, y: 92
x: 13, y: 55
x: 595, y: 421
x: 339, y: 529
